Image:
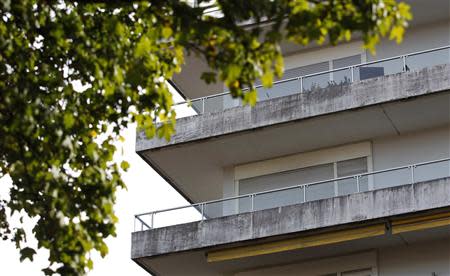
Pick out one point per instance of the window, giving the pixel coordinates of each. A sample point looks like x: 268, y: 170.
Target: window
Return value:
x: 344, y: 76
x: 286, y: 179
x: 352, y: 167
x: 305, y: 175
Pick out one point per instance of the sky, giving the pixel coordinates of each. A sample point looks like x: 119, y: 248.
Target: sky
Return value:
x: 146, y: 191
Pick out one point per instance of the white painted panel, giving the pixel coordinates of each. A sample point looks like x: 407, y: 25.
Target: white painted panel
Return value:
x: 303, y: 160
x: 324, y: 54
x: 422, y: 259
x: 416, y: 39
x: 423, y: 146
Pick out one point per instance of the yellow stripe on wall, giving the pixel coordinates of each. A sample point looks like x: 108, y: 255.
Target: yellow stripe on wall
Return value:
x: 296, y: 243
x: 420, y: 223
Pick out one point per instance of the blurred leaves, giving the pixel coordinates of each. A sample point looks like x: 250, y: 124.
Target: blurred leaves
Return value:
x: 73, y: 74
x: 27, y: 253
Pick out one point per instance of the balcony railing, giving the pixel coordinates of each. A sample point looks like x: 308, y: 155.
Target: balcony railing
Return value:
x: 397, y: 176
x: 307, y: 83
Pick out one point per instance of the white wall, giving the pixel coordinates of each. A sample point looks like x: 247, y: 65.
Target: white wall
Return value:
x: 417, y: 259
x: 421, y: 259
x: 383, y: 153
x: 415, y: 39
x: 324, y: 266
x: 412, y: 148
x: 328, y: 53
x: 303, y: 160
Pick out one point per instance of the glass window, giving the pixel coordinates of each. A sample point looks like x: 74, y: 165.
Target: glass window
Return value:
x: 348, y: 168
x: 344, y: 76
x: 306, y: 175
x: 306, y: 70
x: 286, y: 179
x: 346, y: 61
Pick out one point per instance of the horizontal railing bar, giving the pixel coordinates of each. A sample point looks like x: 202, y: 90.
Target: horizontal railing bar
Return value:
x: 295, y: 187
x: 348, y: 177
x: 169, y: 209
x: 320, y: 73
x: 428, y: 50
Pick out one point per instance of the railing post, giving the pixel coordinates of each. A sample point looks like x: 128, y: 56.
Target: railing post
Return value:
x: 301, y: 84
x: 142, y: 226
x: 202, y: 207
x: 358, y: 188
x: 352, y: 74
x: 404, y: 63
x: 412, y: 174
x: 203, y: 105
x: 252, y: 198
x: 151, y: 220
x: 336, y: 188
x: 304, y: 193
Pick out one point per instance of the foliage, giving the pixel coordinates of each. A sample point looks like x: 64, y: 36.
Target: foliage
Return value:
x: 74, y: 73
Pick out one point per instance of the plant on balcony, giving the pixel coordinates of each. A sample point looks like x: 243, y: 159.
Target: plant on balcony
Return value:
x: 329, y: 84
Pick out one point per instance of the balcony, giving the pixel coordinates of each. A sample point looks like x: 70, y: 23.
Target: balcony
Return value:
x: 356, y: 222
x: 322, y: 80
x: 220, y: 119
x: 249, y: 203
x: 193, y: 161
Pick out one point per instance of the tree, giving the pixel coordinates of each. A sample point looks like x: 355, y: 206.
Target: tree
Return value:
x: 57, y: 139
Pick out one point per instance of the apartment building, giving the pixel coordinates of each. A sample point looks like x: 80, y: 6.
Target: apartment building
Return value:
x: 341, y: 168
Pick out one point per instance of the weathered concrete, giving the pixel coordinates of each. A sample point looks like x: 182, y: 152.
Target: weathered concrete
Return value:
x: 336, y: 211
x: 302, y: 106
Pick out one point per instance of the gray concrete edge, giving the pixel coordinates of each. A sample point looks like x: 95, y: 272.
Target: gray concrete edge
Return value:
x: 304, y: 105
x: 291, y: 219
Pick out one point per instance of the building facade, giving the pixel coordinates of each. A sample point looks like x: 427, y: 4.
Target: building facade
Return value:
x: 341, y: 168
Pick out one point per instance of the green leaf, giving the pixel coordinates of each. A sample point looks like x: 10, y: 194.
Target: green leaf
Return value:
x: 251, y: 97
x: 143, y: 47
x: 103, y: 250
x: 91, y: 151
x: 27, y: 253
x: 69, y: 120
x: 48, y: 271
x: 397, y: 34
x: 90, y: 264
x: 233, y: 72
x: 267, y: 79
x: 124, y: 165
x: 167, y: 32
x: 208, y: 77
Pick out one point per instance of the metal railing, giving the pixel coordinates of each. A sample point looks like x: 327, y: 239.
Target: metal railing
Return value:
x: 301, y: 193
x: 306, y: 83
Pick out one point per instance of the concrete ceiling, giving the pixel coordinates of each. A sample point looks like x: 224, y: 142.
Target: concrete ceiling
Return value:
x: 191, y: 86
x: 196, y: 168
